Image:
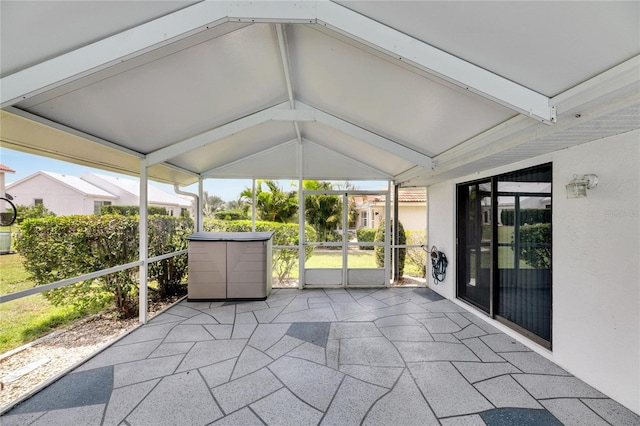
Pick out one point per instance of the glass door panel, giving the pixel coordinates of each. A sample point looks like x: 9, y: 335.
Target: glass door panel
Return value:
x: 474, y: 243
x: 323, y: 213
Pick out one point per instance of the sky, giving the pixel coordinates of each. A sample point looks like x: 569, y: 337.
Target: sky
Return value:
x: 227, y: 189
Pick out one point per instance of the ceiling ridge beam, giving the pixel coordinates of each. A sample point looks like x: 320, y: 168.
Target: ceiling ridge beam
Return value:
x: 286, y: 67
x: 215, y: 134
x: 435, y: 61
x: 369, y: 137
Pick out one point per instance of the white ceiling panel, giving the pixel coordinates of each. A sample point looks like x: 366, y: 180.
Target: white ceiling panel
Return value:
x: 202, y: 87
x: 42, y: 30
x: 376, y: 94
x: 278, y: 162
x: 547, y: 46
x: 198, y: 75
x: 355, y: 148
x: 240, y: 145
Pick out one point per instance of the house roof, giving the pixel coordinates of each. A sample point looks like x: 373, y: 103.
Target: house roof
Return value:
x: 416, y: 92
x: 72, y: 182
x: 155, y: 195
x: 6, y: 169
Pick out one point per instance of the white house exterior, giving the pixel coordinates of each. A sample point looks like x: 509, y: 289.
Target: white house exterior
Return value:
x: 62, y: 194
x: 128, y: 193
x: 595, y: 311
x: 70, y: 195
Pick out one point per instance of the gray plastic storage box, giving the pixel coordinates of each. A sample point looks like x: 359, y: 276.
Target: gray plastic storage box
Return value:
x: 229, y: 266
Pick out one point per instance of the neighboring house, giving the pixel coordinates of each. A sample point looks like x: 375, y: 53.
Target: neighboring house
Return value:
x: 68, y: 195
x: 128, y: 192
x: 412, y: 209
x: 62, y: 194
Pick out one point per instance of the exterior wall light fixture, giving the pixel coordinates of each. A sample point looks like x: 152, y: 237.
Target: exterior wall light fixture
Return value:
x: 578, y: 186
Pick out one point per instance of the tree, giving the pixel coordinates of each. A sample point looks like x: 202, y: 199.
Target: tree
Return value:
x: 32, y: 212
x: 322, y: 212
x: 273, y: 205
x: 402, y: 240
x: 211, y: 204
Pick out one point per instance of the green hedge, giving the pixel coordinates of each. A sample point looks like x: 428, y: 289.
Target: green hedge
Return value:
x: 535, y: 245
x: 132, y: 210
x: 527, y: 216
x: 365, y: 235
x: 402, y: 253
x: 231, y: 215
x: 56, y: 248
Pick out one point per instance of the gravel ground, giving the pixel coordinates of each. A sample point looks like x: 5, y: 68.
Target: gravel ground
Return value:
x: 25, y: 368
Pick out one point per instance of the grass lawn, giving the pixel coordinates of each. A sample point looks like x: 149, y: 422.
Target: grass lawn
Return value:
x: 356, y: 259
x: 26, y: 319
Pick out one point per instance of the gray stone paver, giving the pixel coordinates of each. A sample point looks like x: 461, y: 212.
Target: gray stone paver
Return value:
x: 503, y: 391
x: 284, y: 408
x: 313, y: 383
x: 448, y: 393
x: 404, y: 405
x: 362, y: 356
x: 352, y: 402
x: 124, y: 399
x: 246, y: 390
x: 178, y: 399
x: 572, y: 412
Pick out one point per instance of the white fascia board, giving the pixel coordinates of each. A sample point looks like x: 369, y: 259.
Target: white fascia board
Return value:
x: 435, y: 61
x: 110, y: 51
x: 369, y: 137
x: 213, y: 135
x: 54, y: 125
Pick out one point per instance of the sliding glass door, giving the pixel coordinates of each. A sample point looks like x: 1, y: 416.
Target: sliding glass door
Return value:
x: 504, y: 249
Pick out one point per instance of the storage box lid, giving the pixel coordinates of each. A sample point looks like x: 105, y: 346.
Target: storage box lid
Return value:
x: 230, y: 236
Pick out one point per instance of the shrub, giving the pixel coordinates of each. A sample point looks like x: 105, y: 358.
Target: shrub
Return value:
x: 132, y: 210
x: 535, y: 245
x: 63, y: 247
x: 365, y: 235
x: 166, y: 235
x: 231, y: 215
x: 32, y: 212
x: 285, y: 234
x: 417, y: 255
x: 380, y: 237
x: 528, y: 216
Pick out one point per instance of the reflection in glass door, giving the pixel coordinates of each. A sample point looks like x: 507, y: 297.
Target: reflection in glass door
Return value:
x: 504, y: 249
x: 474, y: 244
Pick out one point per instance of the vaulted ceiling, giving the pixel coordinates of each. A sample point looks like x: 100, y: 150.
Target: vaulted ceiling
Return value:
x: 417, y: 92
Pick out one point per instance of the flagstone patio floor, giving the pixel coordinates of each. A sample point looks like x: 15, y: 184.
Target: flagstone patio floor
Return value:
x: 397, y: 356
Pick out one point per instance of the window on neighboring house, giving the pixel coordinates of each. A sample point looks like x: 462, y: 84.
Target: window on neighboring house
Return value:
x: 365, y: 221
x: 97, y: 206
x: 38, y: 202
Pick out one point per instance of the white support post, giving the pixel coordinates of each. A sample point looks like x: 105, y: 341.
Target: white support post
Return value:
x: 144, y: 246
x: 199, y: 205
x: 396, y: 234
x: 387, y: 236
x: 345, y: 239
x: 253, y: 205
x: 301, y: 234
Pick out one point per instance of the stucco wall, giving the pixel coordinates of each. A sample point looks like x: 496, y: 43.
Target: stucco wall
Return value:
x: 596, y: 258
x: 56, y: 197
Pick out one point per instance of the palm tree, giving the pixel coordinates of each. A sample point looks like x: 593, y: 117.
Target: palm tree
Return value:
x: 322, y: 212
x: 273, y: 205
x: 211, y: 204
